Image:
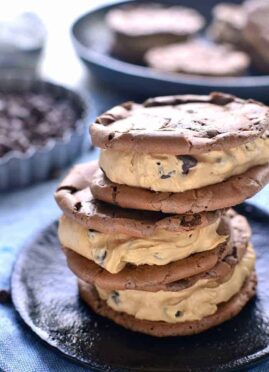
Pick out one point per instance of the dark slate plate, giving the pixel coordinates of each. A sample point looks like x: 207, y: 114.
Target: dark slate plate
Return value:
x: 92, y: 41
x: 45, y: 294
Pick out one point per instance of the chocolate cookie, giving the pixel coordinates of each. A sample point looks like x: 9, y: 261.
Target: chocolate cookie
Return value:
x: 256, y: 34
x: 76, y: 201
x: 216, y: 263
x: 225, y: 312
x: 181, y: 125
x: 228, y: 24
x: 226, y: 194
x: 198, y: 58
x: 137, y: 28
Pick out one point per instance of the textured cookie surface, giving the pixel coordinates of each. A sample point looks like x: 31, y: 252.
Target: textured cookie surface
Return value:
x: 228, y: 24
x: 176, y: 275
x: 198, y: 58
x: 226, y: 194
x: 256, y: 33
x: 179, y: 125
x: 225, y: 312
x: 144, y: 20
x: 76, y: 201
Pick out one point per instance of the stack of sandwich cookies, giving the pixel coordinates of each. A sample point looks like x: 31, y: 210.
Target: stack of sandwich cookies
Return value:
x: 148, y: 255
x: 166, y: 266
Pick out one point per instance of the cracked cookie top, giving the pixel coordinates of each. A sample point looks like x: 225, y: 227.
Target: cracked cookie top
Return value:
x: 76, y: 201
x: 181, y: 125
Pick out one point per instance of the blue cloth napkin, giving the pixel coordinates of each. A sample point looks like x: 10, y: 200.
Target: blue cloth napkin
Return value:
x: 22, y: 214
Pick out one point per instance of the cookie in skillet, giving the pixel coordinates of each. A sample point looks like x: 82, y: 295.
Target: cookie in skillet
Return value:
x: 256, y: 33
x: 136, y: 28
x: 228, y: 24
x: 197, y: 57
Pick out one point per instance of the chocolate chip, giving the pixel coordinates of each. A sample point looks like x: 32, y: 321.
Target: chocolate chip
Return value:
x: 221, y: 99
x: 101, y: 256
x: 4, y: 296
x: 212, y: 133
x: 77, y: 206
x: 178, y: 314
x: 187, y: 163
x: 115, y: 296
x: 168, y: 175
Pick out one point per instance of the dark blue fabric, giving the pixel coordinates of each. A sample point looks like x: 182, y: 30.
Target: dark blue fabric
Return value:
x: 20, y: 349
x: 21, y: 215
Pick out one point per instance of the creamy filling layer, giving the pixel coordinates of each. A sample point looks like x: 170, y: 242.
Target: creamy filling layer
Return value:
x: 193, y: 303
x: 169, y: 173
x: 114, y: 251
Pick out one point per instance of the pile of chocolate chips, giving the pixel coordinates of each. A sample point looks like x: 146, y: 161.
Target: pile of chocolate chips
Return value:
x: 30, y: 119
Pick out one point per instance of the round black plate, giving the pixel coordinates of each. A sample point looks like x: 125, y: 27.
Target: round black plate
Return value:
x: 45, y: 294
x: 92, y: 41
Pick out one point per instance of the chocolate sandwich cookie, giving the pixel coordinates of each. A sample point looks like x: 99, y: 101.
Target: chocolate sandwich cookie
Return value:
x: 198, y: 58
x: 137, y: 28
x: 76, y: 201
x: 228, y: 24
x: 233, y: 191
x: 172, y: 313
x: 115, y: 251
x: 225, y: 311
x: 215, y: 262
x: 172, y: 145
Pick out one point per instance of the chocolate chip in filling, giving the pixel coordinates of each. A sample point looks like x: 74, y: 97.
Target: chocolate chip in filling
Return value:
x: 115, y: 296
x: 188, y: 162
x: 178, y: 314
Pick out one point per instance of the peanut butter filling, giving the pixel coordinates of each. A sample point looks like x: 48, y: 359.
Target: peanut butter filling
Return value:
x: 171, y: 173
x: 114, y: 251
x: 190, y: 304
